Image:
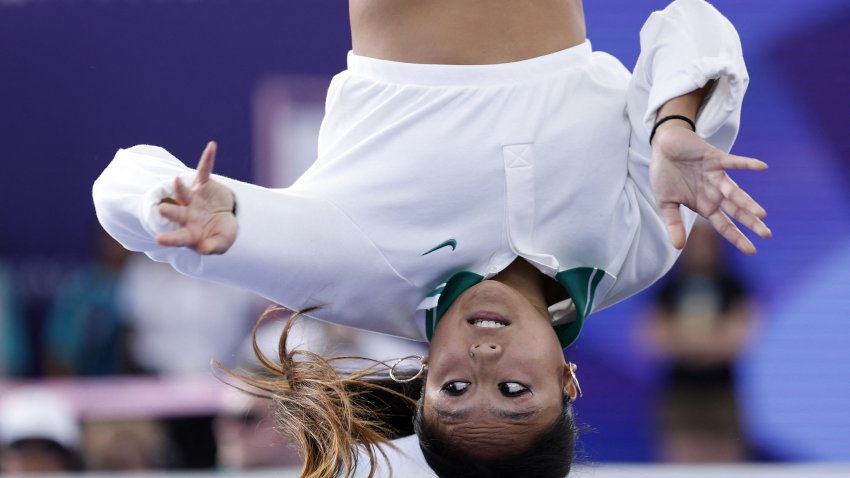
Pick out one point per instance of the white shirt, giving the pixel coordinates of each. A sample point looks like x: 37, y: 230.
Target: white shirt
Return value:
x: 550, y: 166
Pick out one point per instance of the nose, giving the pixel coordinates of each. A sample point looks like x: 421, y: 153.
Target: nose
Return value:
x: 485, y: 351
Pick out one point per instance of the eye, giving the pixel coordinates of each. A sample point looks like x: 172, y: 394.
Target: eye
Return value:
x: 513, y: 389
x: 455, y: 388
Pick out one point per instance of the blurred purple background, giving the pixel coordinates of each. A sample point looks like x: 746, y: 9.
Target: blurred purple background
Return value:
x: 80, y: 79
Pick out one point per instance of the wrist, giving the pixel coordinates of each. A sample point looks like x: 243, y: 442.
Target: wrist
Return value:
x: 671, y: 121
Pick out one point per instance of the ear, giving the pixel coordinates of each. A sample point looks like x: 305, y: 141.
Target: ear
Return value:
x: 571, y: 385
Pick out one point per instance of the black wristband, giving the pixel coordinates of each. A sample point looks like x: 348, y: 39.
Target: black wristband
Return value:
x: 668, y: 118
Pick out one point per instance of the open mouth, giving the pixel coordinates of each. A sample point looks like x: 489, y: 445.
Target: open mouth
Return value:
x: 488, y: 320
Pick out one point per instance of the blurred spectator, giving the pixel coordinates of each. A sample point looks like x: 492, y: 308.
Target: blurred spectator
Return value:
x: 85, y: 330
x: 246, y: 436
x: 126, y: 446
x: 700, y: 323
x: 700, y: 423
x: 703, y: 314
x: 37, y: 279
x: 39, y: 433
x: 12, y: 340
x: 179, y: 324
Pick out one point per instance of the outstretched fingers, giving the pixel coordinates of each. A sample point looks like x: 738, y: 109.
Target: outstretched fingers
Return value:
x: 734, y: 193
x: 179, y: 238
x: 731, y: 161
x: 732, y: 202
x: 721, y: 222
x: 182, y: 194
x: 753, y: 222
x: 741, y: 206
x: 205, y: 165
x: 174, y: 212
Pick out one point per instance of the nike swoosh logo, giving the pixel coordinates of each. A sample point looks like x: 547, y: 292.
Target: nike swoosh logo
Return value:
x: 449, y: 243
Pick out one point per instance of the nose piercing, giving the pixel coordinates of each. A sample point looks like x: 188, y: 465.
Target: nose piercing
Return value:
x: 471, y: 354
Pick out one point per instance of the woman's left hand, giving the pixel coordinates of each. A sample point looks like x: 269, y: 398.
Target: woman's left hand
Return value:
x: 685, y: 170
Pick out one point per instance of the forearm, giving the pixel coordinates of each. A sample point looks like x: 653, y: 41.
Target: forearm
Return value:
x: 691, y: 63
x: 291, y: 247
x: 687, y: 105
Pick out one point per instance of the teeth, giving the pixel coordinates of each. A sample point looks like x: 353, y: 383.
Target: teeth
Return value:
x: 488, y: 324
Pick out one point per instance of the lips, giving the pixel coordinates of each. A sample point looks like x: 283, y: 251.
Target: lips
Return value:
x: 488, y: 320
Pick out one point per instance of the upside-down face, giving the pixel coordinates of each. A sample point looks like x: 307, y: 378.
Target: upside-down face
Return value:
x: 496, y: 371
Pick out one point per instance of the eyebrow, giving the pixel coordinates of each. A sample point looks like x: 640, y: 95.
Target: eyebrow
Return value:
x: 516, y: 416
x: 524, y: 415
x: 453, y: 414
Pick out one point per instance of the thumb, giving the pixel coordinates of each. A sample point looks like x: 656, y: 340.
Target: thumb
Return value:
x: 675, y: 229
x: 211, y: 245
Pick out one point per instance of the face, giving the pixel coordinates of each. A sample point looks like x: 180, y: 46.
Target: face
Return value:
x: 496, y: 369
x: 32, y: 457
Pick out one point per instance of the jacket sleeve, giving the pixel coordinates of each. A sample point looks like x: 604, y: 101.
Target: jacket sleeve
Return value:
x: 291, y: 247
x: 683, y: 48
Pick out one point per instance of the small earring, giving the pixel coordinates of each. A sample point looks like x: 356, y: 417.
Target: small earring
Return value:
x: 573, y: 388
x: 418, y: 373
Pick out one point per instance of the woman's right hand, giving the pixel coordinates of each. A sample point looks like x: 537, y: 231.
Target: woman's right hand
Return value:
x: 204, y: 211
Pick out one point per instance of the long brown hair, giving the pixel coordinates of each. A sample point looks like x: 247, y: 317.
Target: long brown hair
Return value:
x: 331, y: 413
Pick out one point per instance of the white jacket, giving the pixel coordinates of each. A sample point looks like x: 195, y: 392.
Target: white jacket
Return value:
x: 405, y: 165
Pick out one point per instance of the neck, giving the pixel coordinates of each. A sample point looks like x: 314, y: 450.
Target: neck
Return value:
x: 526, y: 280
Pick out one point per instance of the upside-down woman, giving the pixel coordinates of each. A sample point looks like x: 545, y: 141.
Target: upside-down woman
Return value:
x: 485, y: 181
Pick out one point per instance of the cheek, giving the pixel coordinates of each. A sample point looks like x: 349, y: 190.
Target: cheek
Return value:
x: 446, y: 361
x: 447, y: 351
x: 543, y: 344
x: 541, y: 357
